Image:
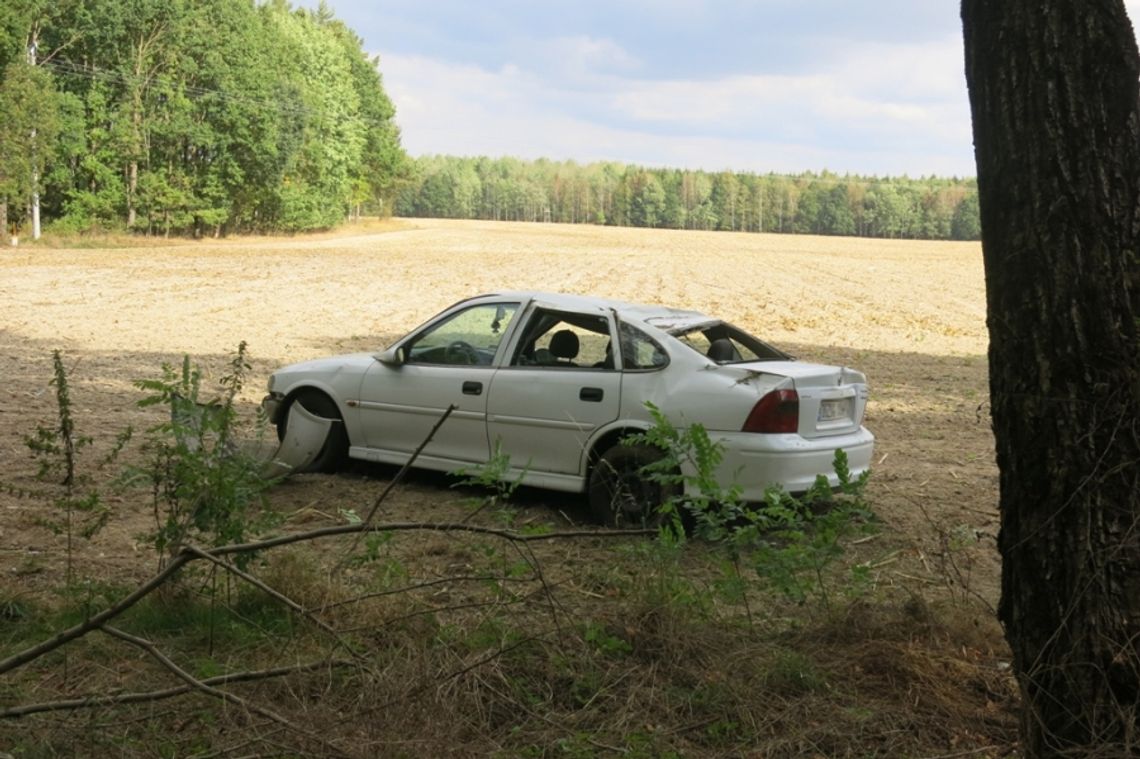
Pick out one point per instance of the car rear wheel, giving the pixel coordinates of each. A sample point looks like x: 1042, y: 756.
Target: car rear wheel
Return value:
x: 620, y: 492
x: 335, y: 450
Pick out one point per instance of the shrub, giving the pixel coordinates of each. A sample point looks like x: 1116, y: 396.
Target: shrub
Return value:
x: 205, y: 487
x: 789, y: 541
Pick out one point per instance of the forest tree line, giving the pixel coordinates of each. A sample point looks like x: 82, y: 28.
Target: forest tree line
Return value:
x: 190, y: 117
x: 621, y: 195
x: 206, y: 117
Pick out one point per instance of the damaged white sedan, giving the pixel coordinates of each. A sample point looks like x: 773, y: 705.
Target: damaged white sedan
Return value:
x: 557, y: 382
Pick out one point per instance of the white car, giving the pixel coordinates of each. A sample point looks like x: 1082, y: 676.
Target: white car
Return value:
x: 557, y: 381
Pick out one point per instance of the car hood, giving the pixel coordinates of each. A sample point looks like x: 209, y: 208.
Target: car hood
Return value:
x: 328, y: 367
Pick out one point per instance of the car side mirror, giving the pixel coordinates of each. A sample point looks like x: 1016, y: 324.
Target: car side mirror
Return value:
x: 391, y: 357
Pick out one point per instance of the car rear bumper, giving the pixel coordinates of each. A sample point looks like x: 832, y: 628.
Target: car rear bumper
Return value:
x: 756, y: 461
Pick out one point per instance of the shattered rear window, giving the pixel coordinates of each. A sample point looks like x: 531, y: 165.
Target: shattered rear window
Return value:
x: 725, y: 344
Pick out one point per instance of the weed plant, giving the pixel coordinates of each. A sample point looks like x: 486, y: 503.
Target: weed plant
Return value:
x: 205, y: 486
x: 81, y: 508
x: 789, y: 541
x: 491, y: 480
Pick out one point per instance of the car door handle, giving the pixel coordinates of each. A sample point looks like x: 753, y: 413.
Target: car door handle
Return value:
x: 472, y: 388
x: 592, y: 394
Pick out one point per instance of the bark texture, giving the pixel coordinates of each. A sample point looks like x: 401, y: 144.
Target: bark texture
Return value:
x: 1053, y: 90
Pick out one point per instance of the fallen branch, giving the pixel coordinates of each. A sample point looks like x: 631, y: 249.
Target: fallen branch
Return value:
x: 185, y: 555
x: 263, y: 587
x: 431, y: 610
x: 94, y: 622
x: 395, y: 481
x: 350, y: 529
x: 408, y: 465
x: 210, y: 690
x: 528, y: 555
x: 453, y: 579
x: 536, y: 715
x: 424, y: 687
x: 93, y: 701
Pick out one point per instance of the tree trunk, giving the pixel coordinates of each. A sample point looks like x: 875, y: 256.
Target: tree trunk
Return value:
x: 133, y: 163
x: 1053, y: 90
x: 132, y: 185
x: 5, y: 240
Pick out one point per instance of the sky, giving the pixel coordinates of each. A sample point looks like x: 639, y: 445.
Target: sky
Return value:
x: 873, y: 87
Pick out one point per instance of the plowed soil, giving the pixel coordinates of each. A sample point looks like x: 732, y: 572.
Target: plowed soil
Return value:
x: 911, y: 315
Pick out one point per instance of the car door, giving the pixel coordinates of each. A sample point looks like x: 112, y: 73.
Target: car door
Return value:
x: 451, y: 361
x: 559, y: 385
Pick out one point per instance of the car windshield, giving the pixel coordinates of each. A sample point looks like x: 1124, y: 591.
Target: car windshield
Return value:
x: 470, y: 336
x: 726, y: 344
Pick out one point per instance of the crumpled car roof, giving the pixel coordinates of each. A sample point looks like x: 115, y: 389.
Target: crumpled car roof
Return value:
x: 662, y: 317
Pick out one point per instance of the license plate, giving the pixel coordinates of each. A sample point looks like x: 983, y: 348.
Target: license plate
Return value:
x: 834, y: 410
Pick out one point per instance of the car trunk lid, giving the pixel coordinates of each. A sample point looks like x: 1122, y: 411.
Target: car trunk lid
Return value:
x: 832, y: 399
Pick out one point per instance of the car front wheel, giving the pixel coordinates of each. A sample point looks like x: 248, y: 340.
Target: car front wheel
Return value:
x: 621, y: 494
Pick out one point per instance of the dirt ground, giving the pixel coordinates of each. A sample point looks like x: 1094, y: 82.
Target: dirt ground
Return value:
x: 911, y: 315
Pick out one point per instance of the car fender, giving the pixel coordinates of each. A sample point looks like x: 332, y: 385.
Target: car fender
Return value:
x: 605, y: 436
x: 342, y: 393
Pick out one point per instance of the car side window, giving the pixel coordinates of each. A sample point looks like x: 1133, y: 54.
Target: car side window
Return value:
x: 639, y: 350
x: 560, y: 339
x: 469, y: 337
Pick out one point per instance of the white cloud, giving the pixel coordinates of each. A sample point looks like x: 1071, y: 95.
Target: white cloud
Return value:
x: 747, y: 84
x: 583, y: 55
x: 932, y: 70
x: 882, y: 109
x: 710, y: 102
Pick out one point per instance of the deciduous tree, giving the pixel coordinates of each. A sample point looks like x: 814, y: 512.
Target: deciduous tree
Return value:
x: 30, y: 121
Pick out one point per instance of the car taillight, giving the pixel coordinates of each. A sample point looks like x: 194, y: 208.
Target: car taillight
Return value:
x: 778, y: 411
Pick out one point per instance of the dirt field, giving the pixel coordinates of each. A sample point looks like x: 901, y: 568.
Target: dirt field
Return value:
x: 909, y: 314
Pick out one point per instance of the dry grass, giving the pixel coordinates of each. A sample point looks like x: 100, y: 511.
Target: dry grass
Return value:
x: 453, y: 663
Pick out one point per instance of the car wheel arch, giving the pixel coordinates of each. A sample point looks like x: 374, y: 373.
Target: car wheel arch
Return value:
x: 608, y: 438
x: 315, y: 391
x: 310, y: 390
x: 322, y: 403
x: 619, y: 494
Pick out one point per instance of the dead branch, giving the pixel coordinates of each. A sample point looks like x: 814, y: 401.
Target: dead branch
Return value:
x: 210, y: 690
x: 263, y: 587
x: 423, y: 687
x: 528, y: 555
x: 350, y: 529
x: 77, y: 631
x: 94, y: 701
x: 408, y: 465
x: 423, y: 585
x: 185, y: 556
x: 395, y: 481
x: 543, y: 718
x: 492, y: 604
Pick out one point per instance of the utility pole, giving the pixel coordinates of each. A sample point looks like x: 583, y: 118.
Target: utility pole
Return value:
x: 35, y: 171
